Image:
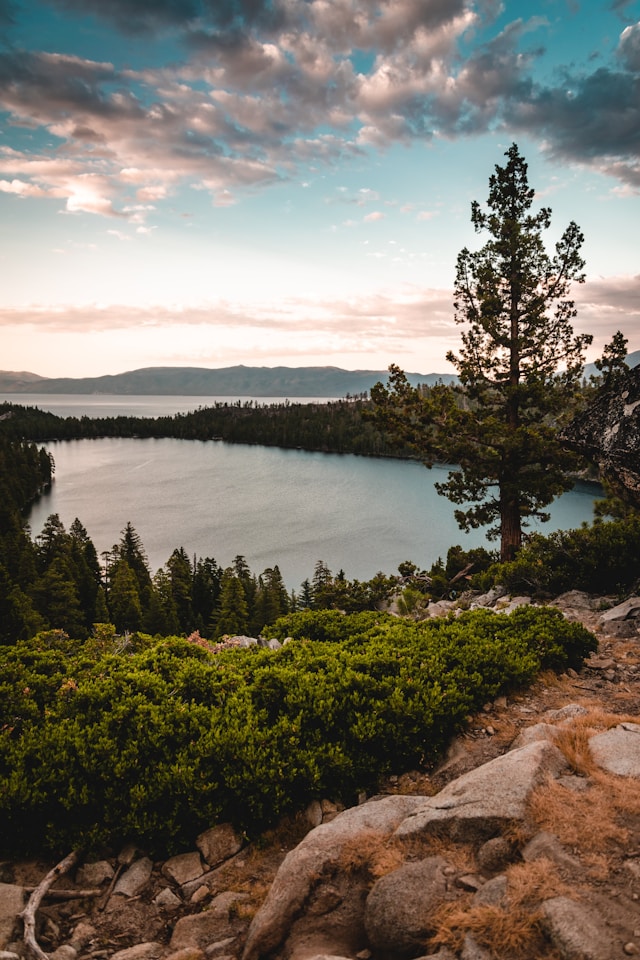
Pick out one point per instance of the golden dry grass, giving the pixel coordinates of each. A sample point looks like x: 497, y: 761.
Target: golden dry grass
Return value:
x: 573, y: 739
x: 592, y: 819
x: 370, y: 852
x: 511, y: 931
x: 531, y: 883
x: 588, y: 820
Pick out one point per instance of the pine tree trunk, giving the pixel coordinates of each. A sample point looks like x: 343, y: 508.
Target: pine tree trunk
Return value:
x: 510, y: 529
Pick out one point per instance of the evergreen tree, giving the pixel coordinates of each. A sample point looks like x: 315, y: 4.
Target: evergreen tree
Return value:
x: 86, y: 570
x: 161, y: 615
x: 519, y: 368
x: 205, y: 592
x: 18, y: 618
x: 272, y: 599
x: 232, y: 616
x: 131, y: 550
x: 53, y: 541
x: 57, y: 600
x: 181, y: 581
x: 613, y: 362
x: 305, y: 599
x: 124, y: 598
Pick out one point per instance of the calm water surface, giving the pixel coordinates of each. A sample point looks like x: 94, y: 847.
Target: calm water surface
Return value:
x: 272, y: 506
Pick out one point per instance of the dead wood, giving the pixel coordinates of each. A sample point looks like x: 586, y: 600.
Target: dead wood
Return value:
x: 28, y: 915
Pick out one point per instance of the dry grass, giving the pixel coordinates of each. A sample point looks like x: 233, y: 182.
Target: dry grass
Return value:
x: 461, y: 856
x: 510, y: 931
x: 573, y: 739
x: 592, y: 819
x: 587, y: 820
x: 531, y: 883
x: 372, y: 853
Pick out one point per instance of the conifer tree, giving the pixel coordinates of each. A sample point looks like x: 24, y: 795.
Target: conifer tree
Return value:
x: 519, y: 368
x: 232, y: 616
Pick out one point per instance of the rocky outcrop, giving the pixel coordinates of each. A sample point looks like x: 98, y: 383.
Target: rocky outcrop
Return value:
x: 608, y: 432
x: 372, y: 882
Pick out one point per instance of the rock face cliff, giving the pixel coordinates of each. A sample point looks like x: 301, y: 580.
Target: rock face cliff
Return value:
x: 608, y: 432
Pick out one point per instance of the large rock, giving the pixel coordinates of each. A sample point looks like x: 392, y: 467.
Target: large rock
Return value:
x: 487, y: 800
x: 314, y: 857
x: 576, y: 930
x: 183, y: 868
x: 399, y: 910
x: 608, y: 432
x: 623, y: 620
x: 618, y: 750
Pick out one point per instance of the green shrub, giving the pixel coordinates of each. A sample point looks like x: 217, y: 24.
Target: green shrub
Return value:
x: 602, y: 558
x: 163, y: 739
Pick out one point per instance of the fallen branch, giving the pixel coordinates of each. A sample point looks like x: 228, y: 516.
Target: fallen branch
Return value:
x: 68, y: 894
x: 28, y: 915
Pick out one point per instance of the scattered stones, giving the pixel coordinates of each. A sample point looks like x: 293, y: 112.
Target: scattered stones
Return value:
x: 167, y: 899
x: 545, y: 845
x: 142, y: 951
x: 493, y: 893
x: 12, y: 900
x: 94, y: 874
x: 495, y: 854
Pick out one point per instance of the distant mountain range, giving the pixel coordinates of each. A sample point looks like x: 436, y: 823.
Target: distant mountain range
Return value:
x: 226, y: 382
x: 239, y: 381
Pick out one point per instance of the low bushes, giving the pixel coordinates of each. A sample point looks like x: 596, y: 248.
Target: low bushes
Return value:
x: 163, y: 739
x: 602, y: 558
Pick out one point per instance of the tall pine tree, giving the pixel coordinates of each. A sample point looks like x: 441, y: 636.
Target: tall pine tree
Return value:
x: 519, y: 368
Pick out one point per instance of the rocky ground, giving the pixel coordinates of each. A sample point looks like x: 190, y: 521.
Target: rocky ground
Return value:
x: 211, y: 903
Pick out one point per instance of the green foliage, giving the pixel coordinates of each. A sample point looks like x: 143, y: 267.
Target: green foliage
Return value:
x: 333, y: 427
x: 519, y: 369
x: 602, y: 558
x: 156, y: 740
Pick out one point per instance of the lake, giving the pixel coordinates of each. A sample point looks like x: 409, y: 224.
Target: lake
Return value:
x: 285, y: 507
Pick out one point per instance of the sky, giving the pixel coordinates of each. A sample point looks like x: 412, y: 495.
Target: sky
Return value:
x: 289, y: 182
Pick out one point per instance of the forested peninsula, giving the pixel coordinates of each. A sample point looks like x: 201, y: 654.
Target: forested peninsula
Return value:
x: 341, y: 426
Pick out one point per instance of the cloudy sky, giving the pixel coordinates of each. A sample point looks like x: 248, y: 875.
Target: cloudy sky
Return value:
x: 213, y: 182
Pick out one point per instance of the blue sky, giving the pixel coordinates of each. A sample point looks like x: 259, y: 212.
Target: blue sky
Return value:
x: 266, y: 182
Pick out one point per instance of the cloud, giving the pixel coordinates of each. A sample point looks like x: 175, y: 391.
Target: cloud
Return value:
x: 269, y: 88
x: 629, y: 48
x: 593, y: 120
x: 21, y: 189
x: 415, y: 311
x: 144, y: 16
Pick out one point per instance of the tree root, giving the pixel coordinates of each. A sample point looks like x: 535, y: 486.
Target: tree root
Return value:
x: 28, y: 915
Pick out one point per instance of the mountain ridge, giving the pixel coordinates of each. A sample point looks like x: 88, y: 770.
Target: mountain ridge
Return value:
x: 202, y: 381
x: 238, y: 380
